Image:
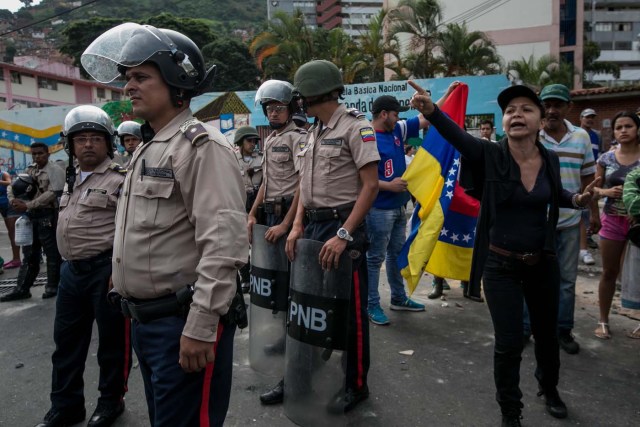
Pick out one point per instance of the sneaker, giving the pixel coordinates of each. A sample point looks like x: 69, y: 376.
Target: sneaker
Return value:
x: 568, y: 343
x: 11, y: 264
x: 586, y: 257
x: 407, y: 305
x: 377, y: 316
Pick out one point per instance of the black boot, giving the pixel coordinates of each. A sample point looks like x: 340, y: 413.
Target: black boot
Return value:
x: 436, y: 292
x: 555, y: 405
x: 53, y: 278
x: 26, y: 276
x: 273, y: 396
x: 16, y: 294
x: 511, y: 421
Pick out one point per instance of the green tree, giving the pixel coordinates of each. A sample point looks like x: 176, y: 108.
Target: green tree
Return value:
x: 591, y: 65
x: 235, y: 68
x: 464, y: 53
x: 420, y: 19
x: 377, y: 50
x: 283, y: 47
x: 538, y: 73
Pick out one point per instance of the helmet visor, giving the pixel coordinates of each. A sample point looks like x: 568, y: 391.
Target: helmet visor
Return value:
x: 127, y: 45
x: 274, y: 90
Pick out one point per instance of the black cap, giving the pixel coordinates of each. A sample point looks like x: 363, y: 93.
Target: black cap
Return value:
x: 387, y: 103
x: 517, y: 91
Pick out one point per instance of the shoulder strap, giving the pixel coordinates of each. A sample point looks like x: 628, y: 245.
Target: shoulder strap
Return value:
x: 194, y: 131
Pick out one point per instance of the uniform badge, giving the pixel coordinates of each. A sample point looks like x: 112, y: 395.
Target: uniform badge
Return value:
x: 367, y: 134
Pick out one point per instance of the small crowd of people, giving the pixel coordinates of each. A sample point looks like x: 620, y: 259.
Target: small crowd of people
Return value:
x: 157, y: 254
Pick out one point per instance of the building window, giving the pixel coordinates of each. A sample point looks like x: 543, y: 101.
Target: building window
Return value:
x: 606, y: 45
x: 115, y: 96
x: 49, y: 84
x: 604, y: 26
x: 1, y: 74
x: 3, y: 99
x: 100, y: 93
x: 16, y: 78
x: 623, y: 26
x: 623, y: 45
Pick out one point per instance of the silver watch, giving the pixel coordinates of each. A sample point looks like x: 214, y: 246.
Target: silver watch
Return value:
x: 344, y: 234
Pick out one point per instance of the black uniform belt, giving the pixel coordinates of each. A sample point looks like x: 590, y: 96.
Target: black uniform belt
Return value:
x: 278, y: 206
x: 327, y: 214
x: 100, y: 260
x: 529, y: 258
x: 175, y: 304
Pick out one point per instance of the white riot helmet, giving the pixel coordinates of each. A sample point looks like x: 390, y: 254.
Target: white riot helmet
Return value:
x: 88, y: 118
x: 129, y: 128
x: 276, y: 91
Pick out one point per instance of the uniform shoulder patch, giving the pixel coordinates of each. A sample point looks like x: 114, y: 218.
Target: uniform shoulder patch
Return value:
x: 194, y: 131
x: 117, y: 168
x: 356, y: 113
x: 301, y: 131
x: 367, y: 134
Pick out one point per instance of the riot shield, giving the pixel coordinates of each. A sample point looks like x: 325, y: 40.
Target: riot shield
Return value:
x: 268, y: 310
x: 317, y: 322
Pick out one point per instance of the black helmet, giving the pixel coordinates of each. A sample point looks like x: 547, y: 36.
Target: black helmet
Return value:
x: 317, y: 78
x: 24, y: 187
x: 245, y: 132
x: 88, y: 118
x: 129, y: 45
x: 129, y: 128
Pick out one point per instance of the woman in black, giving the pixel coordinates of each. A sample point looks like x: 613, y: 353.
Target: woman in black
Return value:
x: 518, y: 183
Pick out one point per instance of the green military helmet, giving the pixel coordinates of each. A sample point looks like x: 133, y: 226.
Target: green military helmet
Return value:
x: 317, y: 78
x: 244, y: 132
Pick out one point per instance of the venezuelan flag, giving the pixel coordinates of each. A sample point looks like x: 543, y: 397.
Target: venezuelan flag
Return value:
x: 444, y: 219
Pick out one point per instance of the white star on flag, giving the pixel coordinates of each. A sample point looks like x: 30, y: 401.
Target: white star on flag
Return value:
x: 454, y: 237
x: 444, y: 231
x: 456, y: 162
x: 16, y: 137
x: 33, y: 140
x: 449, y: 182
x: 450, y: 195
x: 452, y: 171
x: 4, y: 134
x: 466, y: 238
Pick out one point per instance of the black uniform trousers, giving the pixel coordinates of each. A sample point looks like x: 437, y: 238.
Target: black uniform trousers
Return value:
x: 506, y: 281
x: 176, y: 398
x: 44, y: 222
x: 358, y: 327
x: 82, y: 297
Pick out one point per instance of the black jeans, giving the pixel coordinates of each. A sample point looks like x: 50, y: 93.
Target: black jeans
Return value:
x: 506, y: 282
x: 44, y: 239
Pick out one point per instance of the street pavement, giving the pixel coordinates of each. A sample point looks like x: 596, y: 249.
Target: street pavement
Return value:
x: 447, y: 381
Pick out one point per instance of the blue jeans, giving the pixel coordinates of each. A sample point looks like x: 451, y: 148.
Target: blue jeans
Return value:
x: 567, y: 249
x: 386, y: 229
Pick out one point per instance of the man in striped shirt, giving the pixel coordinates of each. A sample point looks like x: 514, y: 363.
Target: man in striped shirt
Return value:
x: 577, y: 170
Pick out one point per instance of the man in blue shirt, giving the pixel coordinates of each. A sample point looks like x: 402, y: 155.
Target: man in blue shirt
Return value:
x: 386, y: 221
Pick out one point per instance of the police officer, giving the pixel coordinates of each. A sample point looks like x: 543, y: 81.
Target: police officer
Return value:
x: 180, y: 226
x: 85, y: 238
x: 338, y: 174
x: 43, y: 212
x: 130, y: 137
x: 246, y: 139
x: 279, y: 190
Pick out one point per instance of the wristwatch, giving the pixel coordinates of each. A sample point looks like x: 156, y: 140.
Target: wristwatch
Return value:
x: 344, y: 234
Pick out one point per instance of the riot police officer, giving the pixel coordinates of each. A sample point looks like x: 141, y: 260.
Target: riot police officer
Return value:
x: 43, y: 212
x: 272, y: 208
x: 130, y: 137
x: 85, y: 238
x: 180, y: 226
x: 338, y: 184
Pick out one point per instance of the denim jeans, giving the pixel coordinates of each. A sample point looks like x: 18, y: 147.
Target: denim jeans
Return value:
x: 507, y: 283
x: 386, y: 229
x: 567, y: 250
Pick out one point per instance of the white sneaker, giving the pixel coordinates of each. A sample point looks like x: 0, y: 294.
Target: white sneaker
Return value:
x: 587, y: 258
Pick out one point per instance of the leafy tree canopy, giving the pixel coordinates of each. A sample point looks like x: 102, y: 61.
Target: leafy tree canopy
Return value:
x: 235, y: 68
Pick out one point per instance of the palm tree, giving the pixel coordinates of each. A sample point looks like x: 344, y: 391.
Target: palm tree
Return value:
x: 338, y: 47
x: 283, y: 47
x: 378, y: 50
x: 420, y: 19
x: 464, y: 53
x: 538, y: 73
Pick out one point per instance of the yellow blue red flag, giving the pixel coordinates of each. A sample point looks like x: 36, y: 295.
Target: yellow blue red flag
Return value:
x: 444, y: 219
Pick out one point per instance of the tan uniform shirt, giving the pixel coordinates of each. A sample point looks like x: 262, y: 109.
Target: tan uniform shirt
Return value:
x: 86, y: 222
x: 252, y: 170
x: 49, y: 179
x: 332, y: 158
x: 280, y: 161
x: 181, y: 219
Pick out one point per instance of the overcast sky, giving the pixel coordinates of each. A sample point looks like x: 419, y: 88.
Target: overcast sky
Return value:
x: 14, y: 5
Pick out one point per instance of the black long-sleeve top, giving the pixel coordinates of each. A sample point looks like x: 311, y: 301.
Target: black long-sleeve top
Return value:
x: 489, y: 173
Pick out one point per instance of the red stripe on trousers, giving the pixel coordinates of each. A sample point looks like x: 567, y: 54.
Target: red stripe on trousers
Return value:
x: 206, y: 385
x: 359, y: 338
x: 127, y: 352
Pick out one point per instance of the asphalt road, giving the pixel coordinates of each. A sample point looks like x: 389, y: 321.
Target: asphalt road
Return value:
x: 448, y: 381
